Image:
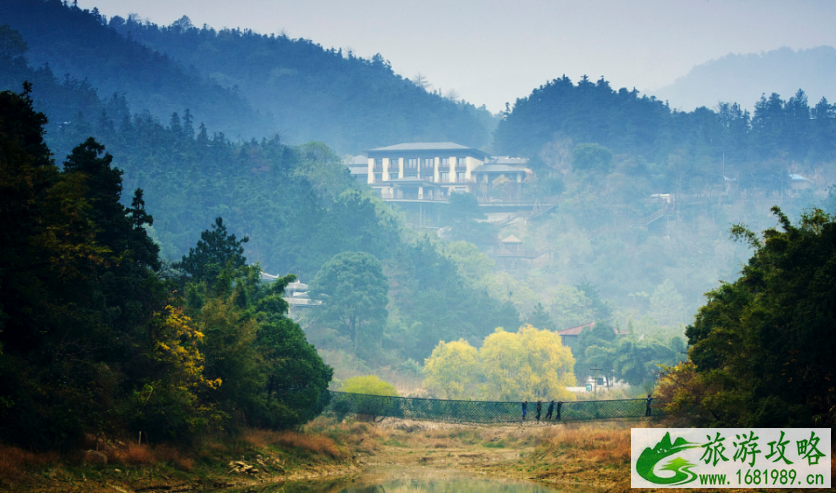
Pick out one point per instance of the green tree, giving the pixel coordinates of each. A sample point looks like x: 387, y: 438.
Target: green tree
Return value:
x: 215, y: 250
x: 464, y: 219
x: 763, y: 344
x: 354, y: 291
x: 12, y: 44
x: 540, y: 318
x: 591, y: 159
x: 570, y: 307
x: 599, y: 336
x: 296, y: 378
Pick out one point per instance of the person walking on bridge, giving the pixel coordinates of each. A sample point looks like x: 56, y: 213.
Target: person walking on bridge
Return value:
x: 559, y: 405
x: 550, y: 411
x: 539, y: 409
x: 647, y: 411
x: 524, y: 408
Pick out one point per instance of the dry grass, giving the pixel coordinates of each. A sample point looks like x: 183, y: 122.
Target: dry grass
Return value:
x: 134, y: 455
x: 592, y: 443
x: 14, y: 461
x: 313, y: 443
x: 173, y: 456
x: 316, y: 444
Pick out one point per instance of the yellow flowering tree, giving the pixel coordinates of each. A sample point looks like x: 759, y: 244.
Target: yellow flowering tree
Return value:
x: 452, y: 368
x: 529, y: 364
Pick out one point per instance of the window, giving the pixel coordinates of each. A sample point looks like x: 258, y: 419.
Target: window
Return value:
x: 460, y: 177
x: 445, y: 177
x: 378, y: 162
x: 429, y: 162
x: 460, y: 161
x: 393, y: 163
x: 393, y: 175
x: 378, y: 177
x: 412, y: 162
x: 445, y: 161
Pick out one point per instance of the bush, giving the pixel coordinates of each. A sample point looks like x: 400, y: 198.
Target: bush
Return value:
x: 368, y: 384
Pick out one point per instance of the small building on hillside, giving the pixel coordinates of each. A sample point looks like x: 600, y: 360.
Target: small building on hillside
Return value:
x: 423, y: 171
x: 512, y: 256
x: 295, y: 293
x: 358, y: 168
x: 509, y: 173
x: 569, y: 337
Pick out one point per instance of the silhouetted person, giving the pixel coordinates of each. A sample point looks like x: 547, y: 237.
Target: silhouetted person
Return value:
x: 550, y: 411
x: 559, y: 405
x: 539, y: 410
x: 524, y: 408
x: 647, y: 411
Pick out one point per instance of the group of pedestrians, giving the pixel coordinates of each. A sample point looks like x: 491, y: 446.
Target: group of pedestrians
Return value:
x: 539, y: 408
x: 552, y: 408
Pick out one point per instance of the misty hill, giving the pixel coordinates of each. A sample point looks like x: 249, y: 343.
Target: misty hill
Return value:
x: 743, y: 78
x: 676, y: 150
x: 77, y: 42
x: 302, y: 91
x: 350, y: 103
x: 298, y: 206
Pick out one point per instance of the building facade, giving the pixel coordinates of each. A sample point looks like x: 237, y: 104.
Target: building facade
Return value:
x: 423, y: 171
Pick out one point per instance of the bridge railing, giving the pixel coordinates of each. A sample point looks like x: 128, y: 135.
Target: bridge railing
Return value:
x: 484, y: 412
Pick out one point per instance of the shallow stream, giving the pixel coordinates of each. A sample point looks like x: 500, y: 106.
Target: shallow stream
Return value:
x: 411, y: 480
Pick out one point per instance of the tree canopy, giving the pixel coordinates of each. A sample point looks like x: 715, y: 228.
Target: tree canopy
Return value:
x: 761, y: 346
x: 355, y: 291
x: 510, y: 366
x: 94, y: 339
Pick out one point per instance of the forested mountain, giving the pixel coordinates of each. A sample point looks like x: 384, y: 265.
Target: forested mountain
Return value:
x: 351, y: 103
x: 96, y: 338
x: 79, y: 43
x: 298, y: 206
x: 745, y: 77
x: 678, y: 151
x: 302, y: 91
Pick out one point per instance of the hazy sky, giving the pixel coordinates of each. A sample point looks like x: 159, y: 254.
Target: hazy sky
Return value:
x: 493, y: 51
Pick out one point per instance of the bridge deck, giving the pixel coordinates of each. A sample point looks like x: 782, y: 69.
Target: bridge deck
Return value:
x: 484, y: 412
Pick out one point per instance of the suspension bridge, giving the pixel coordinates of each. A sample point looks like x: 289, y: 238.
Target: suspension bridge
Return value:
x: 485, y: 412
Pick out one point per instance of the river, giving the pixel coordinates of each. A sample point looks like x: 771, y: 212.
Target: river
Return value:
x: 410, y: 480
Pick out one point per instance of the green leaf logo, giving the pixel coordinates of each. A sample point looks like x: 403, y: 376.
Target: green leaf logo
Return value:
x: 681, y: 467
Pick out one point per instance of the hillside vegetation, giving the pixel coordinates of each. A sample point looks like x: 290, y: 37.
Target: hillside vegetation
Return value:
x: 243, y: 84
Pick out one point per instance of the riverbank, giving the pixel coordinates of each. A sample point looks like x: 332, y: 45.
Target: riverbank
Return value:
x: 590, y: 457
x: 248, y: 458
x: 324, y: 450
x: 593, y: 456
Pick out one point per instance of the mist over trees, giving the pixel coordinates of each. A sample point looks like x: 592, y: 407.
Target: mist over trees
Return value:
x: 69, y: 40
x: 95, y: 337
x: 639, y: 201
x: 351, y: 103
x: 743, y: 77
x: 761, y: 346
x: 243, y: 84
x: 297, y: 207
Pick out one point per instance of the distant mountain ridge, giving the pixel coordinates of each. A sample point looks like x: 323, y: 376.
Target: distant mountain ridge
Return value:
x: 743, y: 78
x: 241, y: 83
x: 79, y: 43
x: 350, y: 103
